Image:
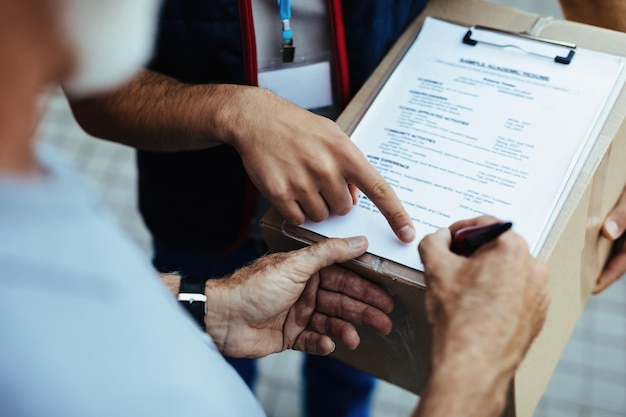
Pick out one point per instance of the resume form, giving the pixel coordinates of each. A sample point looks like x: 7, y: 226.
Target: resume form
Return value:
x: 461, y: 130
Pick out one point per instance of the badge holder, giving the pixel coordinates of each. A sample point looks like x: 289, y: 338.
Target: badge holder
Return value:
x: 307, y: 81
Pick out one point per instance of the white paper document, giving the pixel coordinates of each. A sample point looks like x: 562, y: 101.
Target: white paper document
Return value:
x: 461, y: 130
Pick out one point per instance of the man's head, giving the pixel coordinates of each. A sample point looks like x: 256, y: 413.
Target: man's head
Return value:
x: 110, y: 39
x: 88, y: 45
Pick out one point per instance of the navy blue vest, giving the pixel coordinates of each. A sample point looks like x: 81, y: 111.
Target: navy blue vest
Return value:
x: 195, y: 201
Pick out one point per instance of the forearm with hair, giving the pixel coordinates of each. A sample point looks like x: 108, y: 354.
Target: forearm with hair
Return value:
x: 159, y: 113
x: 461, y: 387
x: 172, y: 282
x: 610, y: 14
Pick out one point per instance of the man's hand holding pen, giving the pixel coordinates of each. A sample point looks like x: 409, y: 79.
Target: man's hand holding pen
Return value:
x: 485, y: 308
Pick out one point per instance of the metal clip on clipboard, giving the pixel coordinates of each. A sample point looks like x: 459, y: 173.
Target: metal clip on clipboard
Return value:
x: 560, y: 52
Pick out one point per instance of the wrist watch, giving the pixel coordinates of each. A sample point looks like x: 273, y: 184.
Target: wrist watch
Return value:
x: 192, y: 298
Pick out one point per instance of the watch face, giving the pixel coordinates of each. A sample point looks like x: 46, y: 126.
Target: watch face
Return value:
x: 192, y: 285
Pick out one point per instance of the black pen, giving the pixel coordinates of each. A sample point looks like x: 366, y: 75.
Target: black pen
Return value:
x: 467, y: 239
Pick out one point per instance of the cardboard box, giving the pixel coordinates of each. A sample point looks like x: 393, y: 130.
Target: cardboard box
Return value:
x: 574, y: 249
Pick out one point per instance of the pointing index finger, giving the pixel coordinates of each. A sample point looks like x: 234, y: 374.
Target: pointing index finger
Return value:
x: 380, y: 192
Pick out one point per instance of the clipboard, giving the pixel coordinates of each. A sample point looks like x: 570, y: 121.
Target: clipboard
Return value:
x: 425, y: 93
x: 572, y: 249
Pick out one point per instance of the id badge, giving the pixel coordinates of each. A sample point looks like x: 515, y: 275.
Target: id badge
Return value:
x: 309, y: 84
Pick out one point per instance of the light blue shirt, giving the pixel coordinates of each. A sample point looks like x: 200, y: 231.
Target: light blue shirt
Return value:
x: 86, y: 327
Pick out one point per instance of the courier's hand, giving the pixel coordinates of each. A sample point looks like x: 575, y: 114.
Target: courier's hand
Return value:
x: 613, y: 229
x: 302, y: 163
x: 305, y: 165
x: 295, y: 300
x: 485, y: 311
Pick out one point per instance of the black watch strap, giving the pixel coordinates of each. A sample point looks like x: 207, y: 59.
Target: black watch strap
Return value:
x: 192, y: 298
